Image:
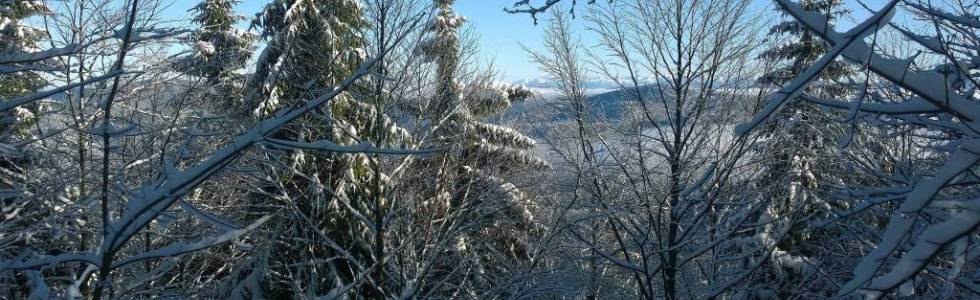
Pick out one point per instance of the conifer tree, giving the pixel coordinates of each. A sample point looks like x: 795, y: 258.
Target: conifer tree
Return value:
x: 220, y: 51
x: 16, y: 37
x: 311, y: 47
x: 799, y: 147
x: 802, y: 49
x: 471, y: 172
x: 798, y: 136
x: 19, y: 208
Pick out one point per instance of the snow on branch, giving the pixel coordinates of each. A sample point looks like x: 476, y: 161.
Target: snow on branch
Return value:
x: 932, y: 240
x: 930, y: 85
x: 15, y: 58
x: 901, y: 224
x: 18, y: 101
x: 915, y: 106
x: 330, y: 146
x: 11, y: 58
x: 24, y: 264
x: 795, y: 87
x: 183, y: 248
x: 156, y: 197
x: 964, y: 20
x: 935, y: 95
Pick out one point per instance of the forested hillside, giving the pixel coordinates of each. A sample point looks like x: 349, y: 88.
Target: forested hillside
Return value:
x: 365, y: 149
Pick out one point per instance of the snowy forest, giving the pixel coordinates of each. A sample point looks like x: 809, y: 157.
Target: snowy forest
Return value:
x: 364, y: 149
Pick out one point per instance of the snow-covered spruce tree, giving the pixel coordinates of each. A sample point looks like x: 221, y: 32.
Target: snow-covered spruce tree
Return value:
x: 219, y: 50
x: 18, y: 211
x: 799, y: 147
x: 19, y: 38
x: 16, y: 37
x: 321, y: 240
x: 468, y: 178
x: 928, y: 198
x: 801, y: 48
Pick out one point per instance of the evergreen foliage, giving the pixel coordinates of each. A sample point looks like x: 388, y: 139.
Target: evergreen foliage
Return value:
x: 16, y: 37
x: 479, y: 155
x: 220, y: 51
x: 311, y: 47
x: 799, y: 148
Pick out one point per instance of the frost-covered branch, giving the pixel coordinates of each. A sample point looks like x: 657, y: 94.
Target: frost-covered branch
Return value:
x: 940, y: 104
x: 156, y: 197
x: 12, y: 103
x: 842, y: 44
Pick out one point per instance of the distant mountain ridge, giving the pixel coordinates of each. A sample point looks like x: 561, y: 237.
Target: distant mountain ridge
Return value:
x: 592, y: 83
x: 606, y: 103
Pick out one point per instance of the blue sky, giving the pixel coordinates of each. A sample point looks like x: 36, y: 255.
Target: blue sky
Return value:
x: 500, y: 34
